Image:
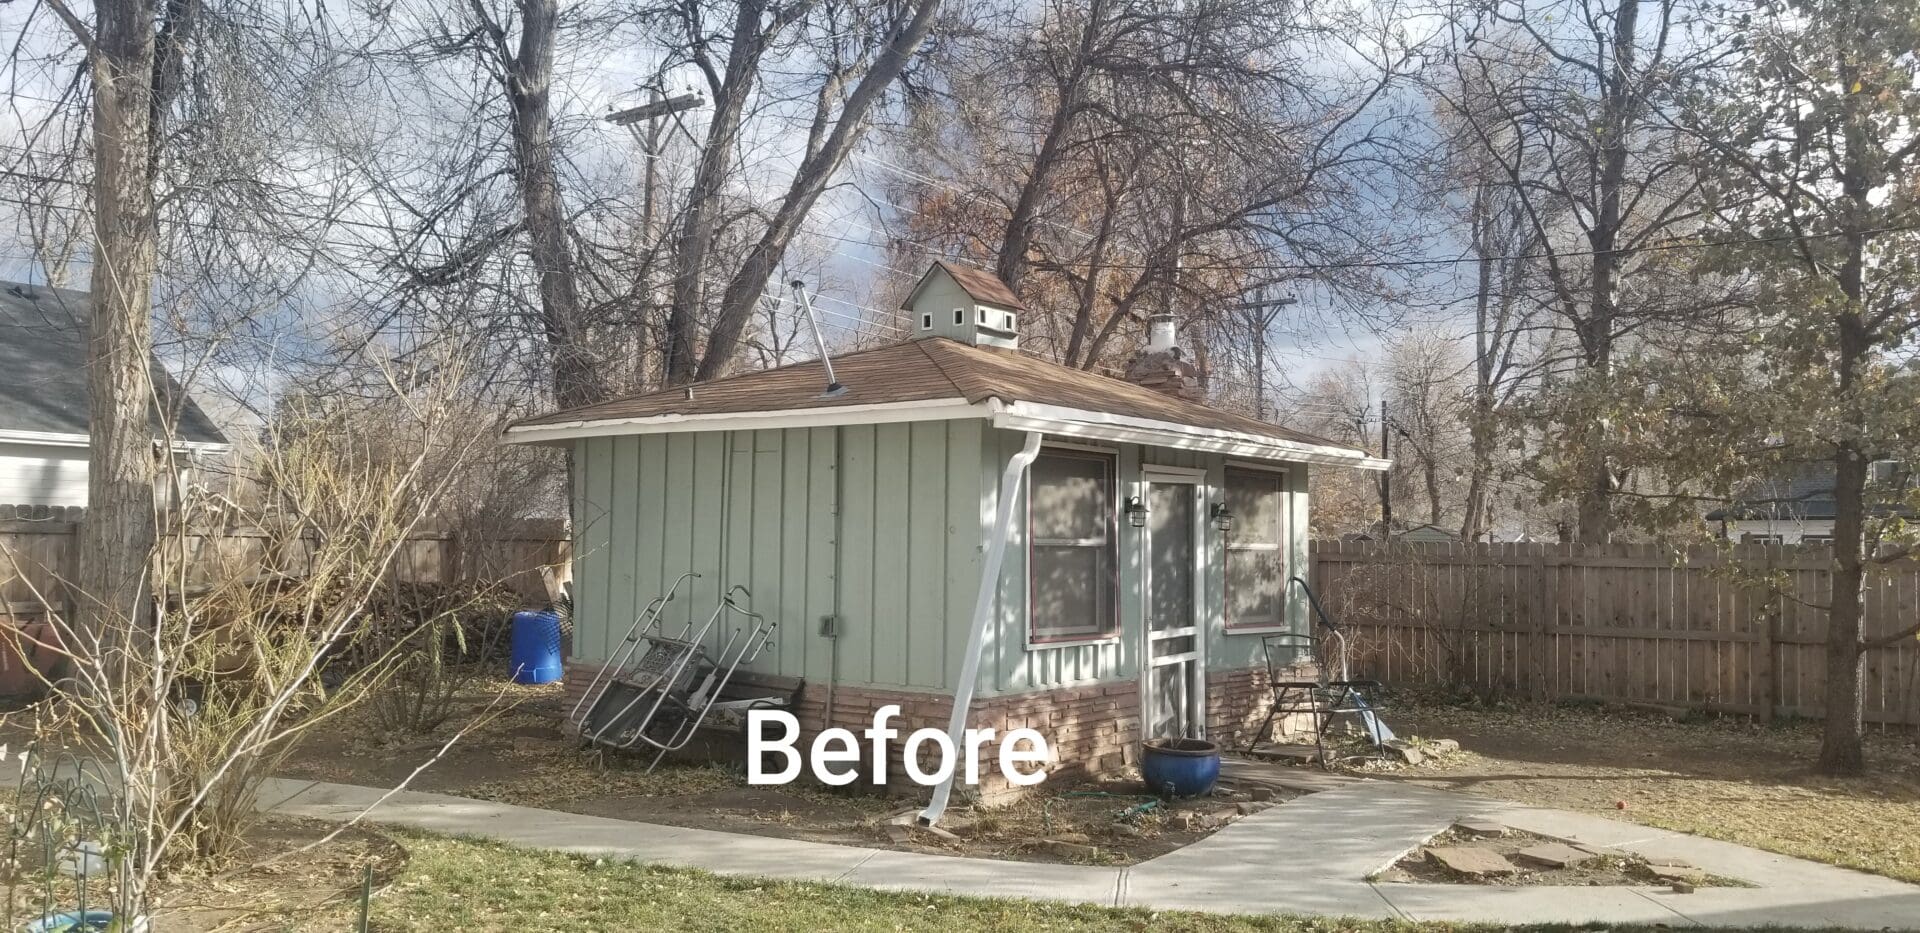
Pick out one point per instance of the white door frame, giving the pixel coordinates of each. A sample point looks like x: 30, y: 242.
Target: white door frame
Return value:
x: 1197, y: 627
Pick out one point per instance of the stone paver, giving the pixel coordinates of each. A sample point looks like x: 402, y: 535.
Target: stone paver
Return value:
x: 1554, y: 855
x: 1470, y: 860
x: 1311, y: 855
x: 1481, y: 828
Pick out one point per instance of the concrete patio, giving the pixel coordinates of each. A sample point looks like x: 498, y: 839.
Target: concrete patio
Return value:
x: 1312, y: 855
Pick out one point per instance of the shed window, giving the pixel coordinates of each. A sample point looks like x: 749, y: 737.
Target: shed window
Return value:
x: 1257, y: 549
x: 1071, y: 555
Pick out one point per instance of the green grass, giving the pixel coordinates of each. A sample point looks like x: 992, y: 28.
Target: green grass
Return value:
x: 461, y: 884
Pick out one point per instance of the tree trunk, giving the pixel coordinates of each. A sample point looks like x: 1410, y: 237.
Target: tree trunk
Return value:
x: 1480, y: 424
x: 117, y: 539
x: 809, y: 182
x: 1620, y: 98
x: 1431, y: 473
x: 1840, y: 738
x: 529, y: 85
x: 730, y: 93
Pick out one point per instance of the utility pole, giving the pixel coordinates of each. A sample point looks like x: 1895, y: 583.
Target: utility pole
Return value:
x: 1386, y: 477
x: 1266, y: 311
x: 652, y: 142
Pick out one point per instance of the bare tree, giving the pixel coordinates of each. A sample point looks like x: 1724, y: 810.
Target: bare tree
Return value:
x: 1470, y: 178
x: 1581, y: 135
x: 524, y: 68
x: 1121, y: 158
x: 1335, y: 404
x: 1427, y: 397
x: 863, y: 51
x: 134, y: 54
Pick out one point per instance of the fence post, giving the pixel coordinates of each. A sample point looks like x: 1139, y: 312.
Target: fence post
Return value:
x: 1769, y: 643
x: 1542, y: 620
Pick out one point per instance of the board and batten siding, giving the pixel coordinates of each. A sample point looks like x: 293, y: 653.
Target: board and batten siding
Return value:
x: 758, y: 508
x: 1014, y: 667
x: 901, y: 559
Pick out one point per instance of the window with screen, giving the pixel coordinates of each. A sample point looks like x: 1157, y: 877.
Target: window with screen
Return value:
x: 1071, y: 546
x: 1257, y: 549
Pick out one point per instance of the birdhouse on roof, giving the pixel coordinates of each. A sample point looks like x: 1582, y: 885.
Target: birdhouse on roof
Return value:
x: 972, y: 306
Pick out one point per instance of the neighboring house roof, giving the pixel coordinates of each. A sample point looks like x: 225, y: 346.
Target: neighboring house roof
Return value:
x: 43, y: 369
x: 1426, y: 532
x: 1806, y: 494
x: 980, y: 285
x: 931, y: 373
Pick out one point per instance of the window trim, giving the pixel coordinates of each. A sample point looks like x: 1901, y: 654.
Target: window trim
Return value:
x: 1284, y: 548
x: 1110, y: 457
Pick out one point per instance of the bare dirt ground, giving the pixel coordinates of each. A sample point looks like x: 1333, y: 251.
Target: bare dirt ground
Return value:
x: 1737, y: 781
x: 523, y: 757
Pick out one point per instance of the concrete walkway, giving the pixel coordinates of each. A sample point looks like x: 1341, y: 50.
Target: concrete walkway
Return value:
x: 1311, y: 855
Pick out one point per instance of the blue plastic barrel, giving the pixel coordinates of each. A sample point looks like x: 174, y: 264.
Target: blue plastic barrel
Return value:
x: 536, y: 647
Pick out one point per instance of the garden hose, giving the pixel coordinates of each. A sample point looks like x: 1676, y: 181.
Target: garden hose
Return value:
x: 1133, y: 812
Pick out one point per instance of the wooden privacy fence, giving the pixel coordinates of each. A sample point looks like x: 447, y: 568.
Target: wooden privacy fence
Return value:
x: 35, y: 556
x: 1622, y: 622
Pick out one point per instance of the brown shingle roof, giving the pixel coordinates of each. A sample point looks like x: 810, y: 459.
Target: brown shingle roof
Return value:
x: 988, y: 372
x: 924, y: 370
x: 982, y: 286
x: 898, y: 372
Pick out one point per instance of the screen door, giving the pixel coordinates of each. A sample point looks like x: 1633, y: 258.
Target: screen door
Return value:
x: 1173, y: 689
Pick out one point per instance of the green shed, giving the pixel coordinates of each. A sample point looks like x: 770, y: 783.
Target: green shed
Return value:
x: 1147, y: 538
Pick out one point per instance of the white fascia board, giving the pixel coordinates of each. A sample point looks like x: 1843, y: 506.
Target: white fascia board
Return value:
x: 1064, y: 422
x: 62, y: 439
x: 826, y: 416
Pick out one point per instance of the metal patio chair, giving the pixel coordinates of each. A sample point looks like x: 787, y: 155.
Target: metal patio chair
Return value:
x: 657, y: 690
x: 1333, y: 697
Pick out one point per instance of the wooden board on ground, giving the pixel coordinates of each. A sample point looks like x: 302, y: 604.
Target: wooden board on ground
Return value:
x: 1302, y: 754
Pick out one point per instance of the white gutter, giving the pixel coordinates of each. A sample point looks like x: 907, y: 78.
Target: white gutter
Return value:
x: 1012, y: 416
x: 64, y: 439
x: 983, y: 606
x: 937, y: 409
x: 1096, y: 425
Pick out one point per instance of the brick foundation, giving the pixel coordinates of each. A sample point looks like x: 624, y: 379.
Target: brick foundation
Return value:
x: 1090, y: 730
x: 1237, y: 703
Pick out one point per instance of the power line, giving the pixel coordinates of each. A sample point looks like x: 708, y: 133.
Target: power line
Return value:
x: 1674, y: 244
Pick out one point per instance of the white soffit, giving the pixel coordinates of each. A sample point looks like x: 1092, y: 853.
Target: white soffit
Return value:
x: 1063, y: 422
x: 825, y: 416
x: 1053, y: 420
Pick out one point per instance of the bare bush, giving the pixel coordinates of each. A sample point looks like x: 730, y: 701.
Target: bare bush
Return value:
x: 186, y: 710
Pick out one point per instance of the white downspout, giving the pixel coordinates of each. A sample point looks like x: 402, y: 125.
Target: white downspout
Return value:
x: 983, y: 606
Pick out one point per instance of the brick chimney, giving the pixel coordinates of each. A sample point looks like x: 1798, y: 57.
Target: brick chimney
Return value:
x: 1163, y: 366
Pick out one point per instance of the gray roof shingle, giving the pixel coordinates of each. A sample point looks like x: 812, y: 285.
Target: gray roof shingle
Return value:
x: 43, y: 367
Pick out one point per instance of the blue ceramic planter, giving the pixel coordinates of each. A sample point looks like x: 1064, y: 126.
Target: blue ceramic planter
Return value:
x: 1180, y: 767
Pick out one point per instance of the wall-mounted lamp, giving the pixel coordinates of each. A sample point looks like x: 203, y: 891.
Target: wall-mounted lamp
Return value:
x: 1222, y: 517
x: 1136, y: 512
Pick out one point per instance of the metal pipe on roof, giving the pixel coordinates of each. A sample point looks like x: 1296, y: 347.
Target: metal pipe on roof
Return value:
x: 834, y: 388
